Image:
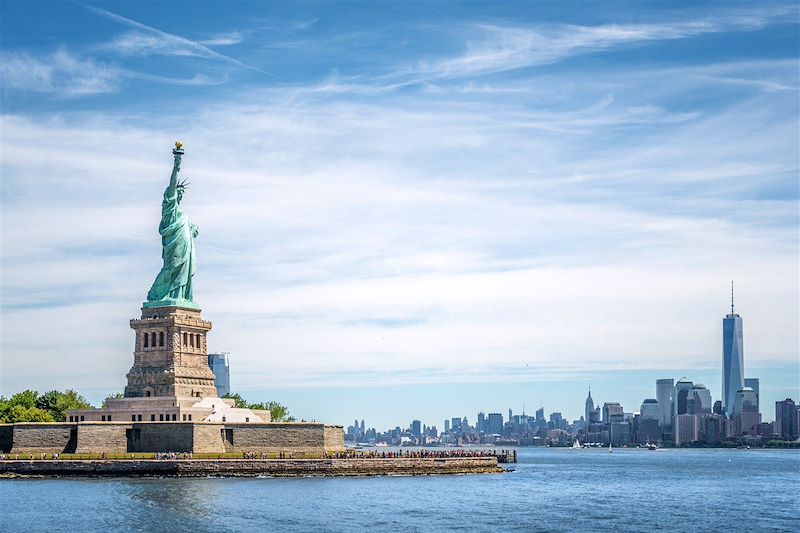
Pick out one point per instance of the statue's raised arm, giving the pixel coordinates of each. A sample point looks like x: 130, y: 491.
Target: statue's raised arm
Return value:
x: 176, y: 167
x: 173, y: 285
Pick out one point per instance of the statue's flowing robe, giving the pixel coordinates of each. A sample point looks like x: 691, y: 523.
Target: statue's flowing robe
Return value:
x: 177, y: 250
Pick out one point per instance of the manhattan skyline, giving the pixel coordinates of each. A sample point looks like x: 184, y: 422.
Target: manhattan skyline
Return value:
x: 453, y: 212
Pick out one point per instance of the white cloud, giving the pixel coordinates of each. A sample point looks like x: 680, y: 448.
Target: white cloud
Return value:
x: 492, y: 48
x: 347, y: 237
x: 65, y: 75
x: 149, y: 40
x: 62, y: 74
x: 223, y: 39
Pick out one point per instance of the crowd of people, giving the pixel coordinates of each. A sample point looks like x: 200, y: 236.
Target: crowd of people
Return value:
x: 27, y: 456
x: 416, y: 454
x: 346, y: 454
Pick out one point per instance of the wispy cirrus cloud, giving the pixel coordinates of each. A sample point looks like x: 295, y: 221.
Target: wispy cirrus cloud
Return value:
x: 66, y: 75
x: 223, y: 39
x: 150, y: 40
x: 500, y: 48
x: 60, y: 73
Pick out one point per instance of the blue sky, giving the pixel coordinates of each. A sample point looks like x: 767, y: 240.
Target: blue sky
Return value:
x: 406, y: 208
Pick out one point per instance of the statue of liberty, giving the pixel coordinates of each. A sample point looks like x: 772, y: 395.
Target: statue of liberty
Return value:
x: 173, y: 285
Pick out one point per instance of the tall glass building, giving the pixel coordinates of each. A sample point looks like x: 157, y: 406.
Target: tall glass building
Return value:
x: 732, y: 359
x: 220, y: 366
x: 664, y: 393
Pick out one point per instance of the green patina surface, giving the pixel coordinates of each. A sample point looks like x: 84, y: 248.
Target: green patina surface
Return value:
x: 173, y: 285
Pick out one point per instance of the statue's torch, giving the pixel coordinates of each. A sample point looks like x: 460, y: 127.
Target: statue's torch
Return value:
x: 178, y: 150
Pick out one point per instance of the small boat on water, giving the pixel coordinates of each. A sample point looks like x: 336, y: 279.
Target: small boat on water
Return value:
x: 609, y: 448
x: 576, y: 445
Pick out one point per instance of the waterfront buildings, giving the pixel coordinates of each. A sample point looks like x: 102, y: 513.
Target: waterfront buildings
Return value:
x: 220, y: 367
x: 686, y: 428
x: 787, y: 419
x: 650, y: 410
x: 746, y: 415
x: 495, y: 424
x: 732, y: 358
x: 612, y: 412
x: 682, y: 413
x: 416, y: 429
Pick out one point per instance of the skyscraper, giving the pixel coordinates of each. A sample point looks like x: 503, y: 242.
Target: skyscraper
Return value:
x: 786, y: 419
x: 732, y: 359
x: 650, y: 410
x: 612, y: 412
x: 588, y: 407
x: 754, y: 384
x: 686, y: 428
x: 664, y: 390
x: 746, y: 415
x: 649, y: 421
x: 416, y: 429
x: 495, y: 423
x: 220, y: 366
x: 681, y: 395
x: 698, y: 400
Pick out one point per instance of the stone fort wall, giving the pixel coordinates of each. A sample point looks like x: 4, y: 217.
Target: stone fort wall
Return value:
x: 256, y: 467
x: 99, y: 437
x: 48, y: 437
x: 129, y: 437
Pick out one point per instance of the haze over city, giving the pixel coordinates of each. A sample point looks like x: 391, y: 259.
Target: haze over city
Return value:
x: 407, y: 217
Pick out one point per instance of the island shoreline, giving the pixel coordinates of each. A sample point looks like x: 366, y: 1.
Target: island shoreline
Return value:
x: 345, y: 467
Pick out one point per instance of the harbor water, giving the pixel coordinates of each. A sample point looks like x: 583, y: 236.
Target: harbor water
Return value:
x: 549, y: 490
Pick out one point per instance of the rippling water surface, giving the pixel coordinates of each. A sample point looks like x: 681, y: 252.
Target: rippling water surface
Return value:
x: 550, y: 490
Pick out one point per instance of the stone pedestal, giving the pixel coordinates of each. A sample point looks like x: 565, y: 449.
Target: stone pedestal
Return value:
x: 170, y: 356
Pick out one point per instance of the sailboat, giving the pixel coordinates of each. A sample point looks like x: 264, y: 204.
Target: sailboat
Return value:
x: 576, y: 445
x: 610, y: 435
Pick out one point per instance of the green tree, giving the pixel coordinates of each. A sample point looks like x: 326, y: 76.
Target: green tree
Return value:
x: 57, y: 403
x: 69, y: 399
x: 240, y: 402
x: 114, y: 396
x: 20, y: 413
x: 28, y: 406
x: 48, y: 401
x: 26, y: 398
x: 21, y: 401
x: 278, y: 412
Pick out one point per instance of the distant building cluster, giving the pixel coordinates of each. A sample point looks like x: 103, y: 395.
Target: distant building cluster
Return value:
x: 682, y: 413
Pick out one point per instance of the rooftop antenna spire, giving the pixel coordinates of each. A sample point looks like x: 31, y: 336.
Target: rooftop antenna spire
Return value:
x: 731, y: 296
